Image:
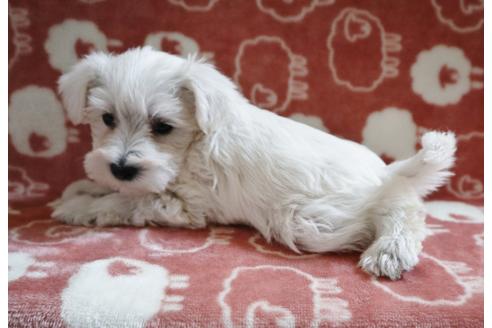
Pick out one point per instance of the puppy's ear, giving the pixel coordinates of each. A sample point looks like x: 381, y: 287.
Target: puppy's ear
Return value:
x: 73, y: 86
x: 211, y: 94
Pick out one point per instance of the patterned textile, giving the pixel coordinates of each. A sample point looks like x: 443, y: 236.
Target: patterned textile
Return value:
x: 377, y: 72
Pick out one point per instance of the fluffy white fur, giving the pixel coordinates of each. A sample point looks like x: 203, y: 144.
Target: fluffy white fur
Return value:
x: 227, y: 161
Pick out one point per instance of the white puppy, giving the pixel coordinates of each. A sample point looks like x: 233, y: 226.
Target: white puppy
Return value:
x: 175, y: 143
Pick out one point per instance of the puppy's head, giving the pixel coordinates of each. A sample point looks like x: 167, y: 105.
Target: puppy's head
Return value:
x: 145, y: 108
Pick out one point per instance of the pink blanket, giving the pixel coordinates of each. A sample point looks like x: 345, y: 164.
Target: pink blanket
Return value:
x: 377, y: 72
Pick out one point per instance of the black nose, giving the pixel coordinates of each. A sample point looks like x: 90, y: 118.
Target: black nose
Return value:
x: 124, y: 172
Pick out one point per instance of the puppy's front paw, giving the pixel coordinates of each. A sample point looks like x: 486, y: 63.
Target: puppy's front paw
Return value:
x: 389, y: 257
x: 80, y: 188
x: 74, y: 210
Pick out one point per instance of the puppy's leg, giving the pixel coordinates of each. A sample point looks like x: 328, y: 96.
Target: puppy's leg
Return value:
x: 398, y: 215
x: 81, y: 187
x: 167, y: 210
x: 93, y: 209
x: 320, y: 235
x: 399, y: 223
x: 83, y: 208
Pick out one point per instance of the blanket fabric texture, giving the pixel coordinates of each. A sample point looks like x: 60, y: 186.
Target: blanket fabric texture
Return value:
x: 377, y: 72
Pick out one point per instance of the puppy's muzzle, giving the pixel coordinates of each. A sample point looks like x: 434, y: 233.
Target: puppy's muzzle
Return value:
x: 124, y: 172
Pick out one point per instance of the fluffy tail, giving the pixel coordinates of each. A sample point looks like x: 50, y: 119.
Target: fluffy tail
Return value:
x: 429, y: 168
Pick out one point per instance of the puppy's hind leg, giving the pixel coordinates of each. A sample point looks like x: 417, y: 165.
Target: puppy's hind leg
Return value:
x: 399, y: 223
x: 398, y: 214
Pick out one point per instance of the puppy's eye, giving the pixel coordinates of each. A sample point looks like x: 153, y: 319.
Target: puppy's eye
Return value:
x: 108, y: 119
x: 161, y: 128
